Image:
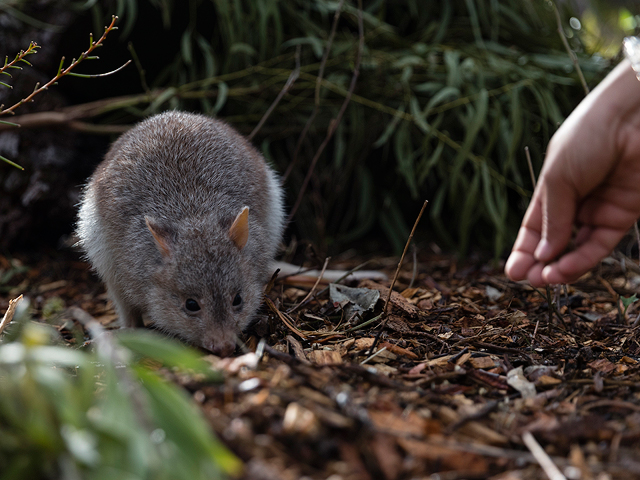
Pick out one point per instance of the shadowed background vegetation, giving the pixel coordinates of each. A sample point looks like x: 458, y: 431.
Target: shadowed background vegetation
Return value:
x: 449, y: 94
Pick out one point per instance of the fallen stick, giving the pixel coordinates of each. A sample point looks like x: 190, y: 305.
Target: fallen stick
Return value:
x: 8, y: 316
x: 543, y: 459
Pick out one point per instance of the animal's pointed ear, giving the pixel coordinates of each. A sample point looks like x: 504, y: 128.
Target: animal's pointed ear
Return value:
x: 239, y: 231
x: 160, y: 235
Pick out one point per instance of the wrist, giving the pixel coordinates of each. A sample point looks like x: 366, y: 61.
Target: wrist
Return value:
x: 617, y: 96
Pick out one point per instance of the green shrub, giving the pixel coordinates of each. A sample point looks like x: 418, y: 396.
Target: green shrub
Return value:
x: 71, y: 414
x: 449, y: 94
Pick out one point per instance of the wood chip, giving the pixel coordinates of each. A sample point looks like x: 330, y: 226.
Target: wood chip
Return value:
x: 324, y: 357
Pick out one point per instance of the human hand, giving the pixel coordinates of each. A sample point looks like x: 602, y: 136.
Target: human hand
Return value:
x: 590, y: 180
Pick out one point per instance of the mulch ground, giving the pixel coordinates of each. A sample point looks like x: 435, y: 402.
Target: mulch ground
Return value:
x: 472, y: 376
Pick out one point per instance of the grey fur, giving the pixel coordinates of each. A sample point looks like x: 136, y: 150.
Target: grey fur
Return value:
x: 190, y: 176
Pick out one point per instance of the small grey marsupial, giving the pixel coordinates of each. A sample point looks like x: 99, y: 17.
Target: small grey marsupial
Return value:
x: 182, y: 220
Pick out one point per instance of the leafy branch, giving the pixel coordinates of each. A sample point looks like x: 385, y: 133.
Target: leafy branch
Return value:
x: 68, y: 71
x: 20, y: 57
x: 62, y: 72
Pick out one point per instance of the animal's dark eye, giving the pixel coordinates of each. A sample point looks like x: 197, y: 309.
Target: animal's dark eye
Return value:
x: 237, y: 300
x: 191, y: 305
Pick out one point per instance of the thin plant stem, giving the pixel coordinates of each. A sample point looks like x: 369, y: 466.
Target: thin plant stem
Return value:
x: 533, y: 175
x: 141, y: 70
x: 572, y: 54
x: 305, y: 299
x: 287, y: 86
x: 395, y: 278
x: 20, y: 57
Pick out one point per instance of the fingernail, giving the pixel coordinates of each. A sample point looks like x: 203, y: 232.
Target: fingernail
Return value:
x: 543, y: 251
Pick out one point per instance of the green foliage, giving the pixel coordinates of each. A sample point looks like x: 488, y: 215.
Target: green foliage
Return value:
x: 62, y: 71
x: 75, y: 415
x: 52, y: 306
x: 449, y: 94
x: 627, y: 302
x: 15, y: 268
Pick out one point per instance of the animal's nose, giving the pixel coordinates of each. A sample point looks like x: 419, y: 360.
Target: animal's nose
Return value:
x: 223, y: 349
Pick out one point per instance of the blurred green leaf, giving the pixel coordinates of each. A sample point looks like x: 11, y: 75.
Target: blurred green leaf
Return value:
x: 469, y: 209
x: 185, y: 47
x: 628, y: 301
x: 72, y: 414
x: 477, y: 117
x: 170, y: 353
x: 181, y: 421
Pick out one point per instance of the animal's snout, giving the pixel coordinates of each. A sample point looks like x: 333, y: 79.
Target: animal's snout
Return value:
x: 224, y: 349
x: 221, y: 343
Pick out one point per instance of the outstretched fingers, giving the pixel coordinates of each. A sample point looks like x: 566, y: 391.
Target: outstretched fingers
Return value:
x: 576, y: 263
x: 545, y: 232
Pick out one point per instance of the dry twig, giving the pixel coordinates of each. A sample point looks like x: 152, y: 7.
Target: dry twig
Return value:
x: 572, y: 54
x: 313, y: 289
x: 395, y: 277
x: 8, y: 316
x: 542, y: 457
x: 533, y: 175
x: 287, y: 86
x: 284, y: 318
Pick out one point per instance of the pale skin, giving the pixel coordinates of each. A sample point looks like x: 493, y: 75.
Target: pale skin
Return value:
x: 589, y: 187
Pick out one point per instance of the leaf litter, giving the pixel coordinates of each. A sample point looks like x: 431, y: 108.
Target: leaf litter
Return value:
x: 474, y: 376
